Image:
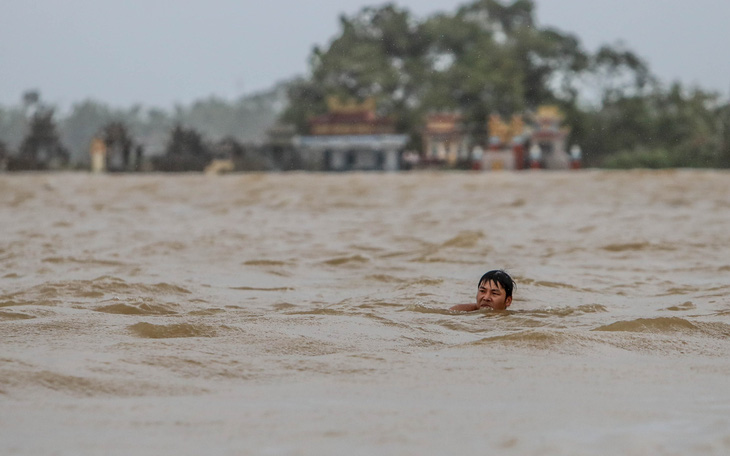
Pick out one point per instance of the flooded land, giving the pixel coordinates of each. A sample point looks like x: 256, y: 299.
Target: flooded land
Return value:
x: 307, y: 313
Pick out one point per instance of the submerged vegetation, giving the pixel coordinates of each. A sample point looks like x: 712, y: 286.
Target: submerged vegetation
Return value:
x: 487, y: 57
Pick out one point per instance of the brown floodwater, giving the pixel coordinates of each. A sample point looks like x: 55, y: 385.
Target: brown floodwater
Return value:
x: 288, y: 314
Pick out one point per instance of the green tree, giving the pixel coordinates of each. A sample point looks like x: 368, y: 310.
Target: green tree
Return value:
x: 245, y: 119
x: 378, y: 55
x: 663, y: 128
x: 42, y: 148
x: 723, y: 134
x: 185, y: 151
x: 119, y: 146
x: 85, y: 120
x: 487, y: 57
x: 186, y: 141
x: 3, y: 156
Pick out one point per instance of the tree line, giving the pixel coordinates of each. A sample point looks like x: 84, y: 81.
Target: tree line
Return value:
x: 33, y: 127
x: 491, y: 57
x: 487, y: 57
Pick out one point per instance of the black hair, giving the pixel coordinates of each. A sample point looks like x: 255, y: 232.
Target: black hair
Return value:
x: 500, y: 277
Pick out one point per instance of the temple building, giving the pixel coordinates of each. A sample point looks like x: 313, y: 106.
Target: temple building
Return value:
x: 351, y: 137
x: 539, y: 143
x: 548, y: 148
x: 444, y: 139
x: 506, y: 144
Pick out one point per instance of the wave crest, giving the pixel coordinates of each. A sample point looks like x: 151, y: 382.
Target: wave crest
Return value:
x: 150, y: 331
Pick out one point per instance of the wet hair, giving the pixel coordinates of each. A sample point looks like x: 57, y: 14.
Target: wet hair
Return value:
x: 500, y: 277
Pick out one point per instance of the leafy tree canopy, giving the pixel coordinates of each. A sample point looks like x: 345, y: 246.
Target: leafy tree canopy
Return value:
x: 491, y: 56
x: 486, y: 57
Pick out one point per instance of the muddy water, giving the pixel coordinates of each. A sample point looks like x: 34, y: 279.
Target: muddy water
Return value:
x: 288, y: 314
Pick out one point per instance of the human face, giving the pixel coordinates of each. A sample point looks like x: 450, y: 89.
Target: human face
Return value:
x: 491, y: 294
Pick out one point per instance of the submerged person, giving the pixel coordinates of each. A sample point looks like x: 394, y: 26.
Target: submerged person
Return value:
x: 494, y: 291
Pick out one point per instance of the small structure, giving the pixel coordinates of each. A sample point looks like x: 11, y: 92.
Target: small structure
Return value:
x: 538, y: 144
x: 576, y: 157
x: 224, y: 154
x: 351, y: 137
x: 353, y: 152
x: 444, y: 139
x: 347, y: 118
x: 219, y: 166
x: 550, y: 138
x: 117, y: 151
x: 506, y: 148
x: 97, y: 150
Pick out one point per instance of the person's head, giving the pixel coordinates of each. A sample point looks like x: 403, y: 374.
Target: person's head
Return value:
x: 495, y: 290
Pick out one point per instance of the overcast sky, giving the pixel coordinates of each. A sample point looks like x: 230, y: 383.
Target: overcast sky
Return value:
x: 162, y: 52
